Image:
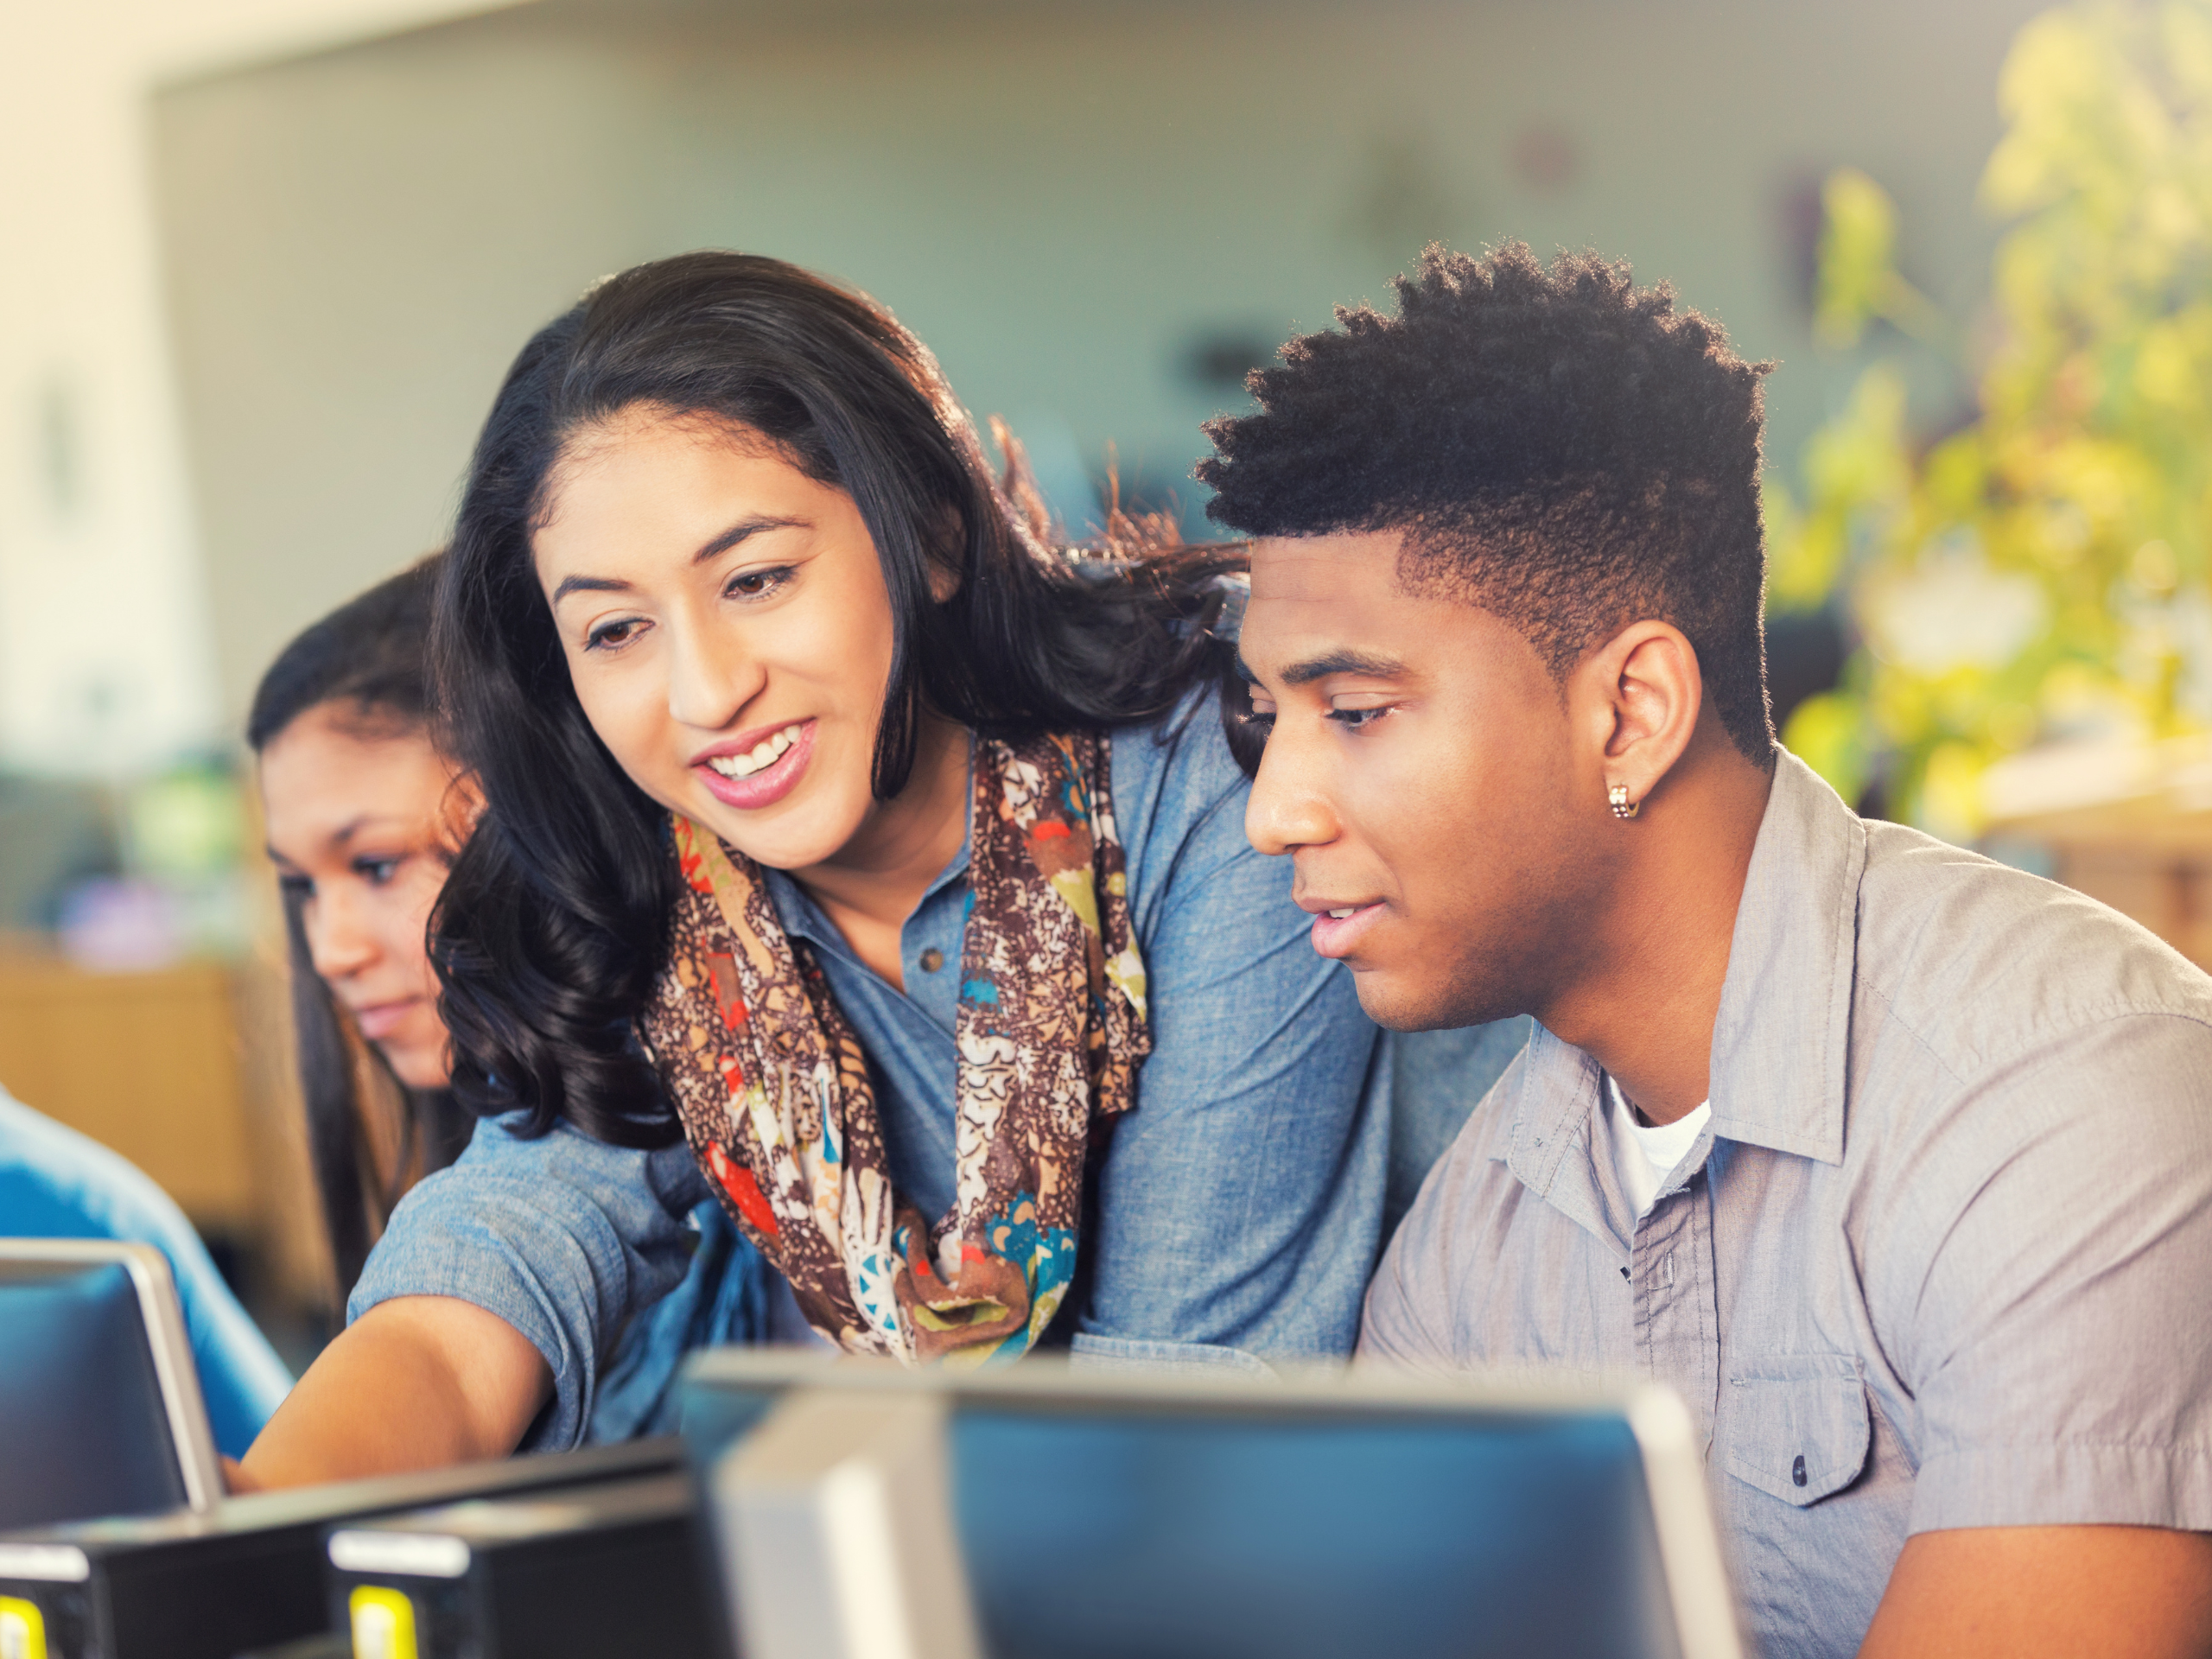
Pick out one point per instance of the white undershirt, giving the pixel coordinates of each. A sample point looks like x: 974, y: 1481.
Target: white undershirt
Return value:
x: 1643, y: 1157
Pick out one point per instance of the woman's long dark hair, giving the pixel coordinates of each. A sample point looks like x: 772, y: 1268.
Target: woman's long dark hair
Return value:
x: 369, y: 657
x: 553, y: 924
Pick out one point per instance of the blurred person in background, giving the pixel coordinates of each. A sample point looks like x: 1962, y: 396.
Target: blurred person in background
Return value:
x: 846, y: 852
x: 55, y: 1183
x: 363, y: 815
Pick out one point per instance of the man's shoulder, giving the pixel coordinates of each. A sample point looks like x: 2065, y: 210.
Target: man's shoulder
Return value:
x: 1983, y: 964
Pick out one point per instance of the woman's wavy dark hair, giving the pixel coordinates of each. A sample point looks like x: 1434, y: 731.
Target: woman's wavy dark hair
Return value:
x: 368, y: 657
x: 553, y: 924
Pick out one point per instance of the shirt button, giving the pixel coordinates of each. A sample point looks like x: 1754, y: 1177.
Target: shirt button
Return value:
x: 932, y: 959
x: 1797, y: 1471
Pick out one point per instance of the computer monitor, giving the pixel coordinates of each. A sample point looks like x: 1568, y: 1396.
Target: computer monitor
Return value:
x: 1105, y: 1516
x: 101, y: 1411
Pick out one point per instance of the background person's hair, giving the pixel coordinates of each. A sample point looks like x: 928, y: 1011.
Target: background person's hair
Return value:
x: 365, y: 661
x: 1560, y: 447
x: 553, y: 924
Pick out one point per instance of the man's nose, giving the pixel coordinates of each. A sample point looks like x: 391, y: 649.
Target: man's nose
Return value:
x: 1289, y: 806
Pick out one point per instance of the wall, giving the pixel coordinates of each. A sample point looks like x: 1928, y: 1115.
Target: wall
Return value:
x: 1064, y: 200
x: 107, y: 660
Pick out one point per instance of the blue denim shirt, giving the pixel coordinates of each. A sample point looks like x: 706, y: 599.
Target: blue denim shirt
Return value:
x: 1239, y: 1205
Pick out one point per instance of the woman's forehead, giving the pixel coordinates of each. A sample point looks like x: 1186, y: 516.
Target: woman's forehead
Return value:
x: 328, y: 770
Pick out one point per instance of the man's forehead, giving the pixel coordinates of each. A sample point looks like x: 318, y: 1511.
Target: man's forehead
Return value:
x: 1325, y: 568
x: 1330, y: 604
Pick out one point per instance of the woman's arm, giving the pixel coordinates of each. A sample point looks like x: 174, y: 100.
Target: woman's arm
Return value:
x: 481, y: 1323
x: 416, y: 1383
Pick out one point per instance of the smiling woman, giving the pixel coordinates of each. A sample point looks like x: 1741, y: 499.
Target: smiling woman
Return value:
x: 856, y: 860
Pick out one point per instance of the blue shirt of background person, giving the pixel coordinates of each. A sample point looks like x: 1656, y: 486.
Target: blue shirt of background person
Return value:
x: 722, y: 502
x: 55, y: 1183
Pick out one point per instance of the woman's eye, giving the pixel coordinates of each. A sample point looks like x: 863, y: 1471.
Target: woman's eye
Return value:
x: 607, y: 635
x: 756, y: 584
x: 298, y: 888
x: 376, y: 871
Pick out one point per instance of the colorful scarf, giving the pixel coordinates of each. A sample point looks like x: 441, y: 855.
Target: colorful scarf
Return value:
x: 768, y: 1076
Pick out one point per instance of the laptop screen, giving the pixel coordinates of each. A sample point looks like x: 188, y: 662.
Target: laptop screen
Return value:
x: 84, y: 1427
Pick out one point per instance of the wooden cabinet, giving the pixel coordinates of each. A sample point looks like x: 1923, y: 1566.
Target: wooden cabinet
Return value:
x: 2129, y: 824
x: 145, y: 1063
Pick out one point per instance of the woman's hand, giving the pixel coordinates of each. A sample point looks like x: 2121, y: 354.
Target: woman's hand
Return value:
x: 236, y: 1481
x: 416, y: 1383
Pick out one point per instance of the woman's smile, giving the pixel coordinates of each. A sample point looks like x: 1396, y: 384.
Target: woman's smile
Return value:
x: 750, y: 771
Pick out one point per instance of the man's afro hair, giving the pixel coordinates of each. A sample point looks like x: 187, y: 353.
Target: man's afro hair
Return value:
x: 1560, y: 447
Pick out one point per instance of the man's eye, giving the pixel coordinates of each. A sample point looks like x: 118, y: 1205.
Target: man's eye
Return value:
x: 607, y: 635
x: 757, y: 584
x: 1356, y: 718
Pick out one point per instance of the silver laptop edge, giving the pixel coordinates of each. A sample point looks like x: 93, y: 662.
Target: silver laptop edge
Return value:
x: 174, y: 1367
x: 1689, y: 1547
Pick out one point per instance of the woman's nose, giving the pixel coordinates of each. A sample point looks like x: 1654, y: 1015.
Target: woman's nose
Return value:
x: 340, y: 943
x: 710, y: 676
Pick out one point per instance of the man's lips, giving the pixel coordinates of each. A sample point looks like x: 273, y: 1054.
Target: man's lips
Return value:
x: 769, y: 784
x: 1339, y: 924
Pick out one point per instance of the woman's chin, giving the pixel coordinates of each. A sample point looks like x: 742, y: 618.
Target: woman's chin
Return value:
x: 782, y: 841
x: 418, y: 1065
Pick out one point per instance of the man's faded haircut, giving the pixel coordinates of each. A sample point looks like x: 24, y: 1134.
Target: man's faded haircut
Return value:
x: 1560, y: 447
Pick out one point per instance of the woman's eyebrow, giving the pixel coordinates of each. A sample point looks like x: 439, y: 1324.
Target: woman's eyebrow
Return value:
x: 587, y: 585
x: 738, y: 532
x: 720, y: 544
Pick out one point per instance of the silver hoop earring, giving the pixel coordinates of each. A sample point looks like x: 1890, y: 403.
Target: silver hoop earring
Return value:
x: 1616, y: 798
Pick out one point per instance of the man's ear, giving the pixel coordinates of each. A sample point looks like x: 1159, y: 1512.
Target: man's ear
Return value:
x: 1637, y: 699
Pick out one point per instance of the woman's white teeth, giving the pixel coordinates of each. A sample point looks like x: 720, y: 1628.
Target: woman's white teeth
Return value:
x: 766, y: 752
x: 1338, y: 915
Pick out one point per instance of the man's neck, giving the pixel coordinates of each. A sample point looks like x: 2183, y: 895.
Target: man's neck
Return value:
x: 1645, y: 1007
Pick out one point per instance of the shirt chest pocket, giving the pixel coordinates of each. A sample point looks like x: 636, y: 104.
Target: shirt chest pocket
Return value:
x: 1797, y: 1426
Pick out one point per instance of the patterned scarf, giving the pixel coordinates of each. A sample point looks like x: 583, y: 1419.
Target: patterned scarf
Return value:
x: 768, y: 1076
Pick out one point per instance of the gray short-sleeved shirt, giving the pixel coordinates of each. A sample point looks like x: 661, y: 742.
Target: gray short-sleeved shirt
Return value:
x: 1942, y: 1256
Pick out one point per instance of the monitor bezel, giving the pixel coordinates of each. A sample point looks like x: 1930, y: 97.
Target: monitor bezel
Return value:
x: 162, y: 1316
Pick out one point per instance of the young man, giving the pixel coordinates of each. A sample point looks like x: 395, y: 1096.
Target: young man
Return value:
x: 1896, y: 1163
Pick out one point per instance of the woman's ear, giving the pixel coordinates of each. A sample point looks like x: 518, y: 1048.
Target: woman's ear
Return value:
x: 1637, y: 698
x: 457, y: 812
x: 948, y: 540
